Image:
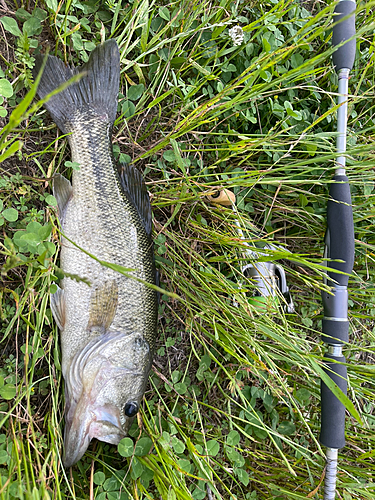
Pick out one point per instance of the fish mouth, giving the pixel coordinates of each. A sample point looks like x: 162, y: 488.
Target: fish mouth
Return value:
x: 86, y: 423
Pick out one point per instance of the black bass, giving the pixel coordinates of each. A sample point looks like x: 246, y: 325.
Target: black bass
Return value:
x: 108, y: 329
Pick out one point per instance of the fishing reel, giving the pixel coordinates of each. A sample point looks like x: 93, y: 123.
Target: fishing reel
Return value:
x: 269, y: 278
x: 270, y: 282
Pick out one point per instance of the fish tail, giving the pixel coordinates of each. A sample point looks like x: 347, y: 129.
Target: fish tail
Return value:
x: 96, y: 91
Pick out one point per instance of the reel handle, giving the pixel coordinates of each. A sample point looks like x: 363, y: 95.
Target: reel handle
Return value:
x: 224, y: 197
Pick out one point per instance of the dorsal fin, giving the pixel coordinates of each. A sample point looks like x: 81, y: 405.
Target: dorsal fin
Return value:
x: 134, y: 186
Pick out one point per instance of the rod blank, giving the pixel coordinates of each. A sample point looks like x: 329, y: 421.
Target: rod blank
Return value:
x: 331, y: 473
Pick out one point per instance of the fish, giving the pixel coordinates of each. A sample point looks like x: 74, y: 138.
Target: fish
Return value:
x: 107, y: 327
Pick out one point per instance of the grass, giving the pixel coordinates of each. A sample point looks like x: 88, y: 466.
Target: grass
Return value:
x: 232, y: 407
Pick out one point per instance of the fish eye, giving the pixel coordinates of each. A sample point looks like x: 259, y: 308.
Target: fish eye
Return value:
x: 131, y: 408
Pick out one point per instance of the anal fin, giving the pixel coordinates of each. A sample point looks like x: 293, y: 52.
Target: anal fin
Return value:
x: 63, y: 192
x: 58, y: 307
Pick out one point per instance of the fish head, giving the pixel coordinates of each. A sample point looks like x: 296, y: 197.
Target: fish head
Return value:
x: 104, y: 387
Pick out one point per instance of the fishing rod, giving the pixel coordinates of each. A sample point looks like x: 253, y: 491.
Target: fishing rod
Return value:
x: 339, y: 245
x: 269, y: 278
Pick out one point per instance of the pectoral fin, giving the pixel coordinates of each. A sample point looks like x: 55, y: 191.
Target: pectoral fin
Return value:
x: 103, y: 305
x: 58, y: 307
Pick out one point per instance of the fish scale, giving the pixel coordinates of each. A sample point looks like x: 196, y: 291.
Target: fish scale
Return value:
x: 115, y: 235
x: 108, y: 328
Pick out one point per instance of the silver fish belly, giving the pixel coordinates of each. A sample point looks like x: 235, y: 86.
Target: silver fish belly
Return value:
x: 108, y: 328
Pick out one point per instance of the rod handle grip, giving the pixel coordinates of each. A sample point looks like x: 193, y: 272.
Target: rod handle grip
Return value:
x: 341, y: 229
x: 343, y: 30
x: 332, y: 429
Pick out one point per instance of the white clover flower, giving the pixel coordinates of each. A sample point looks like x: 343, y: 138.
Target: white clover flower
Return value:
x: 237, y: 35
